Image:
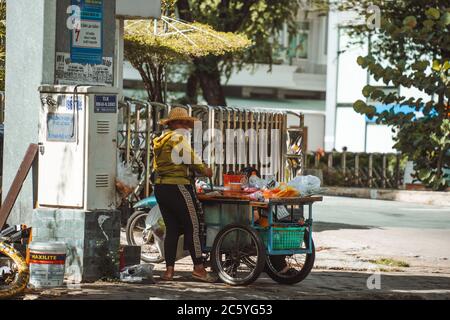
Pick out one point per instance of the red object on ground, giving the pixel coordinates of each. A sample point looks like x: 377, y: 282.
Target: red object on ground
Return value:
x: 121, y: 260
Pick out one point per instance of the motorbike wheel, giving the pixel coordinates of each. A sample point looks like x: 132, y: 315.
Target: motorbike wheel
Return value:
x: 137, y: 235
x: 14, y: 284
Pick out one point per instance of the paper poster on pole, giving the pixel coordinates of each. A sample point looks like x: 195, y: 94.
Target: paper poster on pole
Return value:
x: 69, y: 72
x: 86, y: 41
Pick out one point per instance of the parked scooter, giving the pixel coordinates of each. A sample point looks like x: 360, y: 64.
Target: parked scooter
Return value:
x: 14, y: 275
x: 139, y: 232
x: 146, y: 228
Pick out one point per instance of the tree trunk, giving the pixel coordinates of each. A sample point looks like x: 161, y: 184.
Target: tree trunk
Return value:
x: 206, y: 69
x: 208, y: 73
x: 184, y: 10
x: 191, y: 89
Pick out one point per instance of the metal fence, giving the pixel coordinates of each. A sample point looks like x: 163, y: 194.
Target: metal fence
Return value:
x: 138, y: 126
x: 371, y: 170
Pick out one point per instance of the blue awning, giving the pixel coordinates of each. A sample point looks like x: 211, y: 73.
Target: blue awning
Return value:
x: 397, y: 108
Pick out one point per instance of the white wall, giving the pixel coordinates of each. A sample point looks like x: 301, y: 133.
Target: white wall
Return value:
x: 350, y: 130
x: 351, y: 77
x: 331, y: 85
x: 142, y: 9
x: 315, y: 121
x: 345, y: 80
x: 379, y: 139
x: 316, y: 130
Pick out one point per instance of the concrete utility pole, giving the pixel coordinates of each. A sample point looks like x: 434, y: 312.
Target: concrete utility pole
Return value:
x: 42, y: 49
x: 31, y: 39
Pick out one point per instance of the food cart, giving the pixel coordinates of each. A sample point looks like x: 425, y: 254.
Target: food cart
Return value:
x: 241, y: 247
x: 238, y: 247
x: 243, y: 237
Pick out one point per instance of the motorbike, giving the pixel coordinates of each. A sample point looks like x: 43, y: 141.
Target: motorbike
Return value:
x: 139, y: 231
x: 145, y: 228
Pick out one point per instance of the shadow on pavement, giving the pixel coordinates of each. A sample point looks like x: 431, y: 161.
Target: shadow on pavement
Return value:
x: 326, y: 226
x: 318, y: 285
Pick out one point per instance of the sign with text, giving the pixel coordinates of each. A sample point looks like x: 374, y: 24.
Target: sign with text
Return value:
x: 60, y: 127
x: 105, y: 104
x: 86, y: 40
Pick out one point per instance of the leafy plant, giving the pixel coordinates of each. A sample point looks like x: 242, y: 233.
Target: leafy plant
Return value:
x: 150, y: 53
x: 411, y: 49
x: 260, y: 20
x: 391, y: 262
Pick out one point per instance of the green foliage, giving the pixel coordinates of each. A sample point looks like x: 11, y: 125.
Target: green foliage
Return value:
x: 259, y: 20
x: 390, y: 262
x: 150, y: 53
x: 202, y: 41
x: 411, y: 49
x: 427, y: 141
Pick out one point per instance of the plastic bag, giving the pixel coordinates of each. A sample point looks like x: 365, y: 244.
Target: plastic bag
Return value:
x: 155, y: 223
x: 256, y: 182
x: 282, y: 212
x: 126, y: 180
x: 307, y: 185
x: 137, y: 273
x: 268, y: 182
x: 256, y: 196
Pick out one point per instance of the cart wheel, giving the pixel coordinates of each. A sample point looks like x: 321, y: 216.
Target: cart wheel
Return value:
x: 238, y: 255
x: 290, y: 269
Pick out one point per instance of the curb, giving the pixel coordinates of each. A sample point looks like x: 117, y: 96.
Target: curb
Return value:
x: 421, y: 197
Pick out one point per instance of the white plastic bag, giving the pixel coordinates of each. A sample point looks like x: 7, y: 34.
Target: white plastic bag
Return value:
x: 305, y: 184
x: 126, y: 180
x: 137, y: 273
x: 155, y: 222
x: 126, y: 176
x: 282, y: 212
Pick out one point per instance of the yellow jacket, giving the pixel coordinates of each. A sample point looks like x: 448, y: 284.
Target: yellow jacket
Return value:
x: 174, y: 159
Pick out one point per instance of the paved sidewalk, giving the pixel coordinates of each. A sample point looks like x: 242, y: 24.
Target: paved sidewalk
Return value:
x: 412, y: 196
x: 342, y: 270
x: 320, y: 284
x: 351, y: 237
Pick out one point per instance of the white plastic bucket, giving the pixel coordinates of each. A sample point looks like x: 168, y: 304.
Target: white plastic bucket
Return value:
x: 47, y: 264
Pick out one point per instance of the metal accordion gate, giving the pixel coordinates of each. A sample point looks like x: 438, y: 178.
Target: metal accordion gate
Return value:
x: 285, y: 146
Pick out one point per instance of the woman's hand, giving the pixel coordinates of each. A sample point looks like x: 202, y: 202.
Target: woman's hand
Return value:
x: 208, y: 172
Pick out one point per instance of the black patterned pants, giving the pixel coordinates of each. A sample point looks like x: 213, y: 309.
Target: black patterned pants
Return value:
x: 182, y: 214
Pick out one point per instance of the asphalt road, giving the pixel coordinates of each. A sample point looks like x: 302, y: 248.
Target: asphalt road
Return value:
x: 380, y: 213
x: 354, y: 231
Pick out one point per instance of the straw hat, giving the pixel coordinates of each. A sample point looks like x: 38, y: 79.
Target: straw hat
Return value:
x: 178, y: 114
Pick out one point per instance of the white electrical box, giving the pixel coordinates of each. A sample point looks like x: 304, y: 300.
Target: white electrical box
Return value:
x: 77, y: 147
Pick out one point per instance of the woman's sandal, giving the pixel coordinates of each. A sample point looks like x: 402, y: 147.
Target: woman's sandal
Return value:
x: 206, y: 278
x: 166, y: 278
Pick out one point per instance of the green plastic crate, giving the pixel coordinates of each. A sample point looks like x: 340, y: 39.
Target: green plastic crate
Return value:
x: 284, y: 238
